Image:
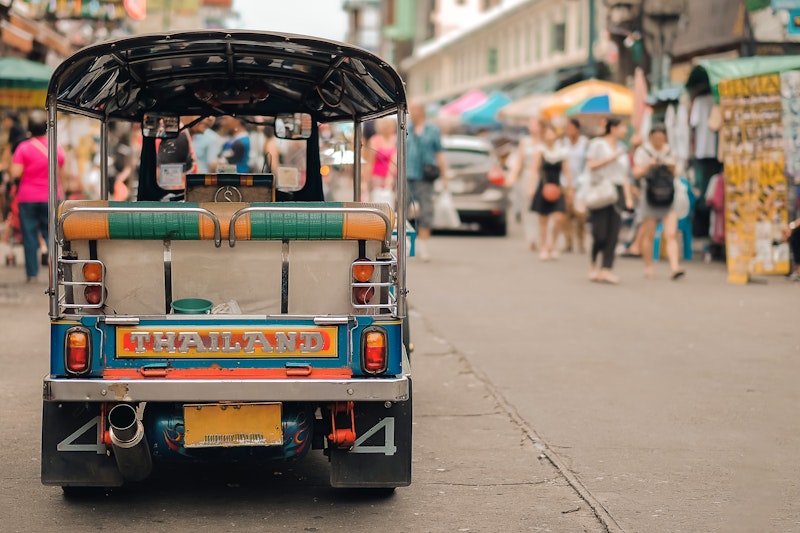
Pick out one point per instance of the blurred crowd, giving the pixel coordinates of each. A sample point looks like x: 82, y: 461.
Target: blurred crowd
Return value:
x: 629, y: 191
x: 224, y: 144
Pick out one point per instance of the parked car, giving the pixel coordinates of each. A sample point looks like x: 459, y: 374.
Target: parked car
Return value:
x: 477, y: 182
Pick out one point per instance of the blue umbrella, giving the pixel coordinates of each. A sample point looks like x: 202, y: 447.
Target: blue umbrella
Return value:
x: 484, y: 114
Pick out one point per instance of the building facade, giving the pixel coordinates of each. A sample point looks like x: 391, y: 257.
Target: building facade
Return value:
x: 520, y: 46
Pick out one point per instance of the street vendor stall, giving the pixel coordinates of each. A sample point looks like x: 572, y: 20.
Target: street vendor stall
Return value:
x: 23, y: 83
x: 758, y: 123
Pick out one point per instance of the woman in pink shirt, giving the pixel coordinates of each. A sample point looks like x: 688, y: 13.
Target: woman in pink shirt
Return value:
x: 30, y: 166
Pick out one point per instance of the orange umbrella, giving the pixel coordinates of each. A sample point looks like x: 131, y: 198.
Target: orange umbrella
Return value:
x: 578, y: 92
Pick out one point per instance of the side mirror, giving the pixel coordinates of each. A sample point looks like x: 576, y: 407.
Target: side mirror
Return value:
x: 161, y: 126
x: 293, y: 126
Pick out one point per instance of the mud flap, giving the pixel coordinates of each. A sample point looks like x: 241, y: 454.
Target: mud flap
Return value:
x: 381, y: 457
x: 73, y: 453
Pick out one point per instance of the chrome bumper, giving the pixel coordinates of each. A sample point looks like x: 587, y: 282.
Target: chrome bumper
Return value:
x: 207, y: 390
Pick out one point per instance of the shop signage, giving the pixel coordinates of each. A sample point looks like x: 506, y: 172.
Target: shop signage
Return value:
x: 785, y: 4
x: 793, y: 26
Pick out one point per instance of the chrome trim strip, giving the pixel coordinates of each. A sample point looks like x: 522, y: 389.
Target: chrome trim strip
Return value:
x: 120, y: 320
x: 331, y: 320
x: 203, y: 390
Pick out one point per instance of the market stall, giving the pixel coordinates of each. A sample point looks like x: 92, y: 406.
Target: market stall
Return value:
x: 757, y: 115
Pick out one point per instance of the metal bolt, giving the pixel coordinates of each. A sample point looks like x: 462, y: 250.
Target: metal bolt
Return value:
x: 350, y: 392
x: 103, y: 392
x: 387, y: 404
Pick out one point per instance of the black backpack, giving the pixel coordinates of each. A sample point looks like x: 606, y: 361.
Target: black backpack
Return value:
x: 660, y: 186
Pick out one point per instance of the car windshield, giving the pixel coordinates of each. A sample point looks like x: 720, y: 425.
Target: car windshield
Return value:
x: 457, y: 159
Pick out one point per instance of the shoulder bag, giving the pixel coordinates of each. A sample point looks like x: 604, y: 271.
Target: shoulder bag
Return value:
x: 600, y: 194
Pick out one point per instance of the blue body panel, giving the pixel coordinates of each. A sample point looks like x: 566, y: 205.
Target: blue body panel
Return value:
x: 104, y: 345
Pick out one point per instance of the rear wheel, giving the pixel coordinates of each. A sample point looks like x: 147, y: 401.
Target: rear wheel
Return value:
x: 83, y: 493
x: 497, y: 226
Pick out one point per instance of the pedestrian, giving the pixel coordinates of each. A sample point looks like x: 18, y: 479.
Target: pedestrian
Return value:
x: 16, y: 134
x: 653, y: 161
x: 521, y: 173
x: 30, y: 165
x: 272, y: 150
x: 548, y: 199
x: 607, y: 160
x: 424, y: 151
x: 792, y: 234
x: 381, y: 161
x: 236, y: 147
x: 175, y: 158
x: 207, y: 144
x: 574, y: 225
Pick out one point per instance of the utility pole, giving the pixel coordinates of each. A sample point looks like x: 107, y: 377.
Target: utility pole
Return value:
x: 661, y: 18
x: 591, y: 62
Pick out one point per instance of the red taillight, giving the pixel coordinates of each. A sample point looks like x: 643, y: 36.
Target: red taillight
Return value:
x: 497, y: 177
x: 362, y: 295
x: 93, y: 294
x: 77, y: 355
x: 374, y: 357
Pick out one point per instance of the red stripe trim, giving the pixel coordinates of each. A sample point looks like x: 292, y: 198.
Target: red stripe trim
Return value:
x: 225, y: 373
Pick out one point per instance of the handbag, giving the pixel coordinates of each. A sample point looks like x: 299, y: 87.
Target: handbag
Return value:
x: 551, y: 192
x: 430, y: 172
x: 600, y: 194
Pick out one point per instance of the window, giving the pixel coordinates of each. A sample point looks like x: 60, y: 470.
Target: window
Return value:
x: 558, y: 37
x: 491, y: 67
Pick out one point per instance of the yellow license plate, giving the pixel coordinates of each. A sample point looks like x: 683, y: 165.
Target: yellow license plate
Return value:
x: 225, y: 425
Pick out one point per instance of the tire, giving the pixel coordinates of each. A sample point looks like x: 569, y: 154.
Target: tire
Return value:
x: 83, y: 493
x: 497, y: 227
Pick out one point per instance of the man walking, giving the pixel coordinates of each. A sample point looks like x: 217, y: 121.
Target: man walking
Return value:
x: 424, y: 149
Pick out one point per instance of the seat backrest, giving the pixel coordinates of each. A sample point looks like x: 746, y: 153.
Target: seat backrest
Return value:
x: 101, y: 220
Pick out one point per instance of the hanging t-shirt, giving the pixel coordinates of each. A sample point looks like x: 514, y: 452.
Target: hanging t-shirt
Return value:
x: 705, y: 140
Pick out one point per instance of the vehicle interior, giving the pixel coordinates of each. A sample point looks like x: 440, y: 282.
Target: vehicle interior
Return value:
x: 260, y: 229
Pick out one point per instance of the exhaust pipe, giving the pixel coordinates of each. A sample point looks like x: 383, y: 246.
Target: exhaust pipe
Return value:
x: 129, y: 443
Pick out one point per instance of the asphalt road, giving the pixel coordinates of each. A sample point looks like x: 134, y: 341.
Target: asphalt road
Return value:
x: 475, y: 467
x: 671, y: 404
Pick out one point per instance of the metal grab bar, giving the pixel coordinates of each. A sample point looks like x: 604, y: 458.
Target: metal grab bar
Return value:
x: 97, y: 209
x: 279, y: 209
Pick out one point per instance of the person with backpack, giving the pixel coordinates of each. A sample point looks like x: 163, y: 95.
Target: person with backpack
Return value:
x: 654, y: 169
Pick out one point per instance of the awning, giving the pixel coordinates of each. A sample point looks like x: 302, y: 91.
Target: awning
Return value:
x: 711, y: 72
x: 23, y: 83
x: 485, y: 114
x: 522, y: 110
x: 466, y: 101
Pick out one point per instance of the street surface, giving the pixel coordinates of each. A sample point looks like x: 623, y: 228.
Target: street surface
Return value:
x: 542, y: 402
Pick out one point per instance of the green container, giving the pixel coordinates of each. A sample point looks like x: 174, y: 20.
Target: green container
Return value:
x: 192, y: 306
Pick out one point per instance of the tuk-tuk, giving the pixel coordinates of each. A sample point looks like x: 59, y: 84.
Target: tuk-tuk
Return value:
x: 226, y: 317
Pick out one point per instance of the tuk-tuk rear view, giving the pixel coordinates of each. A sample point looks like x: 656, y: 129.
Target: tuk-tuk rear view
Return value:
x: 233, y: 315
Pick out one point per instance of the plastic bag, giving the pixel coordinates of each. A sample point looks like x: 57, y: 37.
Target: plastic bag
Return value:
x: 681, y: 204
x: 445, y: 215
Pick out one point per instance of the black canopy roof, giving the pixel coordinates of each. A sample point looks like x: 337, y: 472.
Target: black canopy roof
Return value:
x: 212, y: 72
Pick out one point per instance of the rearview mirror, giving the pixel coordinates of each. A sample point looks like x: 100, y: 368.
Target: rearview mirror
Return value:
x: 161, y: 126
x: 293, y: 126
